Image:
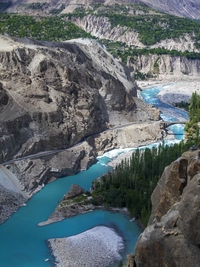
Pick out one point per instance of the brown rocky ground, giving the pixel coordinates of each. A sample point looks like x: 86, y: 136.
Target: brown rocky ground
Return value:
x: 172, y: 236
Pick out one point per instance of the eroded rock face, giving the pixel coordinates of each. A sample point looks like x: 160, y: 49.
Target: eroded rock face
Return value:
x: 100, y: 26
x: 57, y: 96
x: 172, y: 237
x: 10, y: 202
x: 168, y: 66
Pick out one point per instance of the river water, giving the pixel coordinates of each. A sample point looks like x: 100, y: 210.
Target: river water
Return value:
x: 23, y: 243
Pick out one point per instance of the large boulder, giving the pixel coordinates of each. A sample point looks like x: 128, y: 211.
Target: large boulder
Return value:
x: 172, y: 237
x: 74, y: 191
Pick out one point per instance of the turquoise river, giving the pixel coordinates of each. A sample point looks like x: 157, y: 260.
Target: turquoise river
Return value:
x: 23, y: 243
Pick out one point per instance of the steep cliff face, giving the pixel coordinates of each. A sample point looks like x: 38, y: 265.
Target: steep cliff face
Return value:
x: 159, y: 66
x: 100, y: 26
x: 54, y: 95
x: 172, y: 237
x: 57, y: 96
x: 165, y: 66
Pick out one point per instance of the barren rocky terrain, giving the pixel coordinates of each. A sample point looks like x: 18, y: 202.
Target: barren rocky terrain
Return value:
x: 62, y: 96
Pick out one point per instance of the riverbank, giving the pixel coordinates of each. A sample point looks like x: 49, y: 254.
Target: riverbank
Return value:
x: 35, y: 173
x: 29, y: 240
x: 127, y: 155
x: 62, y: 212
x: 174, y: 91
x: 99, y: 246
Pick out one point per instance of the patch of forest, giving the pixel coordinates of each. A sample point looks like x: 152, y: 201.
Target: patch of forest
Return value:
x: 54, y: 28
x: 133, y: 181
x: 123, y: 51
x: 192, y: 127
x: 151, y: 25
x: 182, y: 105
x: 60, y: 28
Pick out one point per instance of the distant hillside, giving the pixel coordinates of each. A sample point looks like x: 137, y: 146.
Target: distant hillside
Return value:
x: 152, y: 43
x: 184, y: 8
x: 135, y: 25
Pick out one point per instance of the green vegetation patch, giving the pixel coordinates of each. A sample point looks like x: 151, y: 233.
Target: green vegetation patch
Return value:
x: 53, y: 28
x: 79, y: 199
x: 133, y: 181
x: 192, y: 127
x: 182, y: 105
x: 123, y: 51
x: 152, y: 26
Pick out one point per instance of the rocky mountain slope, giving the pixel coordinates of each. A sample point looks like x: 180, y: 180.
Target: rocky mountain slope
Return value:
x: 54, y: 95
x: 159, y: 44
x: 182, y: 8
x: 172, y: 236
x: 101, y: 27
x: 165, y: 58
x: 62, y: 96
x: 165, y: 66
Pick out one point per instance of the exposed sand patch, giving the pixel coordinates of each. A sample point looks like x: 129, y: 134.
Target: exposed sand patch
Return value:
x: 99, y: 246
x: 174, y: 91
x: 179, y: 91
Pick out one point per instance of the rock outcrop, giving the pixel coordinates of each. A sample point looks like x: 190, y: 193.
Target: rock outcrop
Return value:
x: 101, y: 28
x: 74, y: 202
x: 54, y: 95
x: 172, y: 236
x: 74, y: 191
x: 10, y: 202
x: 12, y: 193
x: 166, y: 66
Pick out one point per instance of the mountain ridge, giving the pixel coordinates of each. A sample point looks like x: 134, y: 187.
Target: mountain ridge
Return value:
x: 190, y: 9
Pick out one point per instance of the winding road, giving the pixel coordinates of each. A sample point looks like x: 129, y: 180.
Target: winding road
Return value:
x: 55, y: 151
